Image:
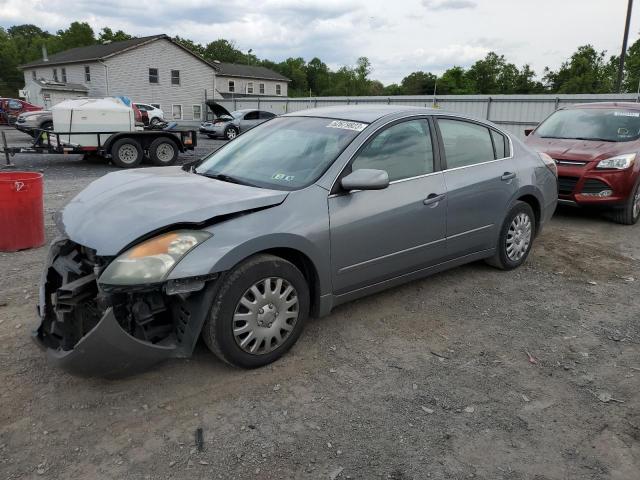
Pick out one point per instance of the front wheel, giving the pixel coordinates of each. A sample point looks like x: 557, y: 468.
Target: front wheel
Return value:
x: 516, y: 238
x: 230, y: 133
x: 630, y: 212
x: 258, y: 313
x: 154, y: 121
x: 126, y: 153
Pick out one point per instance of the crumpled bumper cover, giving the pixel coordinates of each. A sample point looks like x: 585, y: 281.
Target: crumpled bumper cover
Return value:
x: 107, y: 351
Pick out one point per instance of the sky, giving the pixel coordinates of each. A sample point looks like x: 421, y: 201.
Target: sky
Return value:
x: 398, y: 36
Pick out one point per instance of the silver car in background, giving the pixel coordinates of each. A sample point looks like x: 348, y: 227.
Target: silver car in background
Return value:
x: 300, y: 214
x: 229, y: 125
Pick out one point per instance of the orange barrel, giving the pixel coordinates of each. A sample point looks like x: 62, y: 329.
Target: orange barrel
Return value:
x: 21, y: 211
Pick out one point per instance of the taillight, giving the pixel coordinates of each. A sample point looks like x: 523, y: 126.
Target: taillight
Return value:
x: 549, y: 162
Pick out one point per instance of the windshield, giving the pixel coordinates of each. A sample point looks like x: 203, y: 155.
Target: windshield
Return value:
x: 286, y: 153
x: 611, y: 125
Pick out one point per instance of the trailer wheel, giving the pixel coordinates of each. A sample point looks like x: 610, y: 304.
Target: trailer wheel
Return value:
x: 163, y: 152
x: 126, y: 153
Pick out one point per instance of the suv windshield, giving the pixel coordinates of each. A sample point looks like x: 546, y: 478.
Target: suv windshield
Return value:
x: 611, y: 125
x: 286, y: 153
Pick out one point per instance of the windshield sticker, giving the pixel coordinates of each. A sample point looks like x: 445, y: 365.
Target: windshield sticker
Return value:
x: 357, y: 126
x: 626, y: 114
x: 282, y: 176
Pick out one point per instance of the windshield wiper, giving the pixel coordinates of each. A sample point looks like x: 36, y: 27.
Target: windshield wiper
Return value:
x: 595, y: 139
x: 226, y: 178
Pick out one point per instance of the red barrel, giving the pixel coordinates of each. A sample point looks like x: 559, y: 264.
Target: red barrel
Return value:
x: 21, y: 211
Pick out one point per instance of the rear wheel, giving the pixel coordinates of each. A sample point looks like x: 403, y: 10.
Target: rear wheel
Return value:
x: 126, y: 153
x: 258, y: 313
x: 516, y: 238
x: 630, y: 212
x: 163, y: 152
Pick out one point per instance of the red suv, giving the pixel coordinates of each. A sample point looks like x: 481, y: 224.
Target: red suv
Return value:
x: 10, y: 108
x: 596, y: 147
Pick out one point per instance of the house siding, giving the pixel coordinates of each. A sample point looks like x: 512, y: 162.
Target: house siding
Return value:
x: 222, y: 86
x: 129, y: 75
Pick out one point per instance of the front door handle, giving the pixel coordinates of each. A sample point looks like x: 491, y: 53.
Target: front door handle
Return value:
x: 506, y: 176
x: 433, y: 199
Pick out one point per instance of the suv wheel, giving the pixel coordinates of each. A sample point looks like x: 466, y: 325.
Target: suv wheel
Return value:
x: 516, y: 238
x: 258, y: 313
x: 630, y: 212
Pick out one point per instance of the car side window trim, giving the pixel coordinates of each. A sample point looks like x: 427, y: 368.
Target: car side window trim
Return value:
x: 443, y: 156
x: 335, y: 188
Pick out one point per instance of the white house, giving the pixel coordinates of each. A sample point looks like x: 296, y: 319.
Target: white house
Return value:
x: 154, y: 70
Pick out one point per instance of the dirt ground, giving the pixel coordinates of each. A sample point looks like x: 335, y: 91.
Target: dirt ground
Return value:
x: 472, y: 373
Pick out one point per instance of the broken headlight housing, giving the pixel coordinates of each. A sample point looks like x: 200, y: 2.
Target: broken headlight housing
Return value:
x: 152, y: 260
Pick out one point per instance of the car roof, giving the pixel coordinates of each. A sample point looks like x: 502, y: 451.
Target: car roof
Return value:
x: 629, y: 105
x: 361, y: 113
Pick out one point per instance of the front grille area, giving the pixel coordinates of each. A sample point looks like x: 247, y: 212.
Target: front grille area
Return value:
x: 566, y: 185
x: 594, y: 186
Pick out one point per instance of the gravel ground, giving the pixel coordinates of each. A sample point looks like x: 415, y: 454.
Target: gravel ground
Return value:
x: 472, y: 373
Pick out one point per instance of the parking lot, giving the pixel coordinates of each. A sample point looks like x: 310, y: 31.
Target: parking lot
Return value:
x: 471, y: 373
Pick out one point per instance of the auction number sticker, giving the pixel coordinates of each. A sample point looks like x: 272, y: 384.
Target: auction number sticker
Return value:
x: 626, y: 114
x: 357, y: 126
x: 283, y: 176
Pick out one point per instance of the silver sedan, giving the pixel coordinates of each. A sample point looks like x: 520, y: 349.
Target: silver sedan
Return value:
x: 300, y: 214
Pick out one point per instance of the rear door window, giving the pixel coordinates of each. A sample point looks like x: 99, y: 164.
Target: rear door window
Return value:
x: 465, y: 143
x: 500, y: 144
x: 251, y: 115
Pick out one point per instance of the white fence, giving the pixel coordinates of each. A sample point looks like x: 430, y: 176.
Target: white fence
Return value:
x: 513, y: 112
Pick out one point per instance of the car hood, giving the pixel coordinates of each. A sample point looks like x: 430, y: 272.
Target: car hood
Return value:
x: 217, y: 109
x: 121, y: 207
x: 583, y: 150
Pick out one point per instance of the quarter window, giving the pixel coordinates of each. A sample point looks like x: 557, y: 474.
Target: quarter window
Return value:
x: 500, y: 144
x: 153, y: 75
x: 403, y: 150
x: 175, y: 77
x: 465, y: 143
x: 87, y: 73
x: 232, y: 86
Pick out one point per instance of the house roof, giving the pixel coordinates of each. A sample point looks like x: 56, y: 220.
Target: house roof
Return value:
x: 61, y: 86
x: 93, y: 52
x: 248, y: 71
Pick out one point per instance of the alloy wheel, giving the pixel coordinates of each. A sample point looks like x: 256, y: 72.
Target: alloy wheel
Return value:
x: 231, y: 134
x: 519, y: 237
x: 265, y: 315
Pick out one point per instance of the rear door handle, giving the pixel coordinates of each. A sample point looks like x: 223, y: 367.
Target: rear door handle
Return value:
x: 506, y: 176
x: 433, y: 199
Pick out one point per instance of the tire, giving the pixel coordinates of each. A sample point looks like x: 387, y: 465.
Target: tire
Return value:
x: 47, y: 125
x: 126, y: 153
x: 154, y: 121
x: 630, y: 212
x: 163, y: 152
x: 512, y: 252
x: 230, y: 133
x: 259, y: 330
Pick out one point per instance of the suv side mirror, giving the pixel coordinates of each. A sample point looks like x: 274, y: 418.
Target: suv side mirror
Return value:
x: 365, y: 179
x: 527, y: 131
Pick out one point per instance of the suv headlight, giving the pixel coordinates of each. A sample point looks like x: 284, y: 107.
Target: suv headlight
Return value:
x: 152, y: 260
x: 619, y: 162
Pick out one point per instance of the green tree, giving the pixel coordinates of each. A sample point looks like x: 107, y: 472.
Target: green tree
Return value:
x: 107, y: 36
x: 586, y: 71
x: 454, y: 81
x: 419, y: 83
x: 79, y: 34
x: 224, y: 51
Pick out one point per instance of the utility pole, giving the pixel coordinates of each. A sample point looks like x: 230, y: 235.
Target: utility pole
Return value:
x: 624, y: 47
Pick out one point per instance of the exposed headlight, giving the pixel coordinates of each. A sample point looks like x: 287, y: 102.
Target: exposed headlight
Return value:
x: 619, y: 162
x: 152, y: 260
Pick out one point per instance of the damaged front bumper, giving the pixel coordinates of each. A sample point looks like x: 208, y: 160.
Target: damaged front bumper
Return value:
x: 88, y: 330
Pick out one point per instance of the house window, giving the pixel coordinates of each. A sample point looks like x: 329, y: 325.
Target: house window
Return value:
x: 262, y: 89
x: 153, y: 75
x: 55, y: 74
x: 175, y: 77
x: 232, y: 86
x: 64, y: 75
x: 278, y: 89
x: 250, y: 87
x: 197, y: 112
x: 176, y: 112
x: 34, y: 74
x: 87, y: 73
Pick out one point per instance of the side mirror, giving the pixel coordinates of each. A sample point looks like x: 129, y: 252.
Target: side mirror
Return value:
x: 365, y: 179
x: 527, y: 131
